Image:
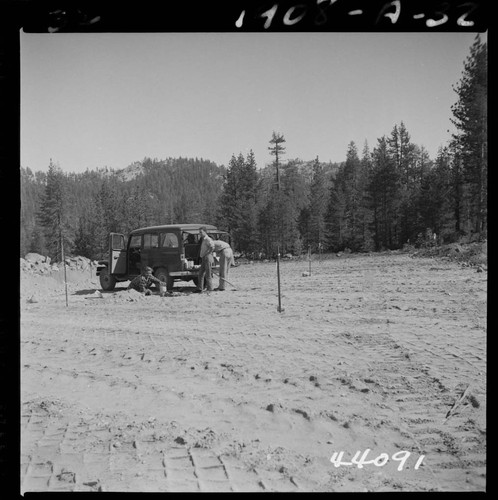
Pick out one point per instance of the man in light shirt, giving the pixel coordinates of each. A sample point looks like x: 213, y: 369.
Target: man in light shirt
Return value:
x: 206, y: 254
x: 225, y: 253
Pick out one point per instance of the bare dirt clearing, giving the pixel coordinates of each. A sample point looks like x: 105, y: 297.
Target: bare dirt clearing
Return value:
x: 221, y: 392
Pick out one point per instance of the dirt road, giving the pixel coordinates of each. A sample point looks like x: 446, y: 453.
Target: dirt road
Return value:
x: 221, y: 392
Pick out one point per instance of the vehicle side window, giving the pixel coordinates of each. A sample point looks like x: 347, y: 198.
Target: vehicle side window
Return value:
x: 169, y: 240
x: 190, y: 239
x: 117, y: 242
x: 136, y: 241
x: 151, y: 241
x: 218, y: 236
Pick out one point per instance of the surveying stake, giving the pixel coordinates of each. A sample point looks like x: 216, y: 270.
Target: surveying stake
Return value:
x: 309, y: 257
x: 64, y: 262
x: 279, y: 308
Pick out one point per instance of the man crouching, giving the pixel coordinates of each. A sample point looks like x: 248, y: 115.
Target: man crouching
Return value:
x: 144, y: 281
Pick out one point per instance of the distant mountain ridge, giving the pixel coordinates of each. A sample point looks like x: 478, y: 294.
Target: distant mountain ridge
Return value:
x: 130, y: 172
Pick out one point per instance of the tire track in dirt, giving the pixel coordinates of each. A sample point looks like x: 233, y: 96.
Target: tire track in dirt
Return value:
x: 423, y: 399
x: 339, y: 363
x: 95, y: 455
x: 378, y: 347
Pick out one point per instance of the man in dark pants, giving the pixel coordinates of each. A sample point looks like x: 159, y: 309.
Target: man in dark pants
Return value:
x: 205, y: 272
x: 144, y: 281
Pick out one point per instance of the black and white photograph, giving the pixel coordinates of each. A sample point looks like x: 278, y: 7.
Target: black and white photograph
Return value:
x: 254, y: 260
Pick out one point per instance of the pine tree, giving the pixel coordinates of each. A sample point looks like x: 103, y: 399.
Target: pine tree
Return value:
x: 239, y: 202
x: 37, y: 241
x: 416, y: 224
x: 28, y: 209
x: 304, y: 226
x: 249, y: 239
x: 291, y: 200
x: 402, y: 152
x: 383, y: 190
x: 102, y: 217
x: 54, y: 214
x: 319, y: 200
x: 336, y: 220
x: 84, y: 242
x: 435, y: 189
x: 231, y: 199
x: 277, y: 150
x: 277, y: 219
x: 351, y: 188
x: 470, y: 140
x: 346, y: 216
x: 457, y: 191
x: 32, y: 191
x: 365, y: 215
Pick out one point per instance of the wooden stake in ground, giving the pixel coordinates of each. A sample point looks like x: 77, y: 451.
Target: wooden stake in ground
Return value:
x: 279, y: 308
x: 64, y: 263
x: 309, y: 258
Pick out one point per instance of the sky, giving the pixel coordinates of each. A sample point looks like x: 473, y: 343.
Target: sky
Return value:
x: 109, y: 99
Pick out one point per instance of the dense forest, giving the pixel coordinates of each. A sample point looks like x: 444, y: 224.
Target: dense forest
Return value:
x: 380, y: 197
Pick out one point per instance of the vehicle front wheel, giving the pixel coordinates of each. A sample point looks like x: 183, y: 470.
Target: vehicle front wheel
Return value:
x: 162, y: 274
x: 107, y: 281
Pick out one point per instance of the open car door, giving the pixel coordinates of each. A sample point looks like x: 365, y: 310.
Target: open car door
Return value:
x: 117, y: 254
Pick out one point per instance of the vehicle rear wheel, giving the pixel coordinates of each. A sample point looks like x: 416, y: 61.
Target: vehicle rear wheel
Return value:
x: 162, y: 274
x: 107, y: 281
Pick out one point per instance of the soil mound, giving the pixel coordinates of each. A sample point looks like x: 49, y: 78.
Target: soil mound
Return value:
x: 41, y: 278
x: 470, y: 254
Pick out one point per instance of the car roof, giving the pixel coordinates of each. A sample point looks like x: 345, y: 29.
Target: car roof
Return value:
x: 209, y: 231
x: 182, y: 227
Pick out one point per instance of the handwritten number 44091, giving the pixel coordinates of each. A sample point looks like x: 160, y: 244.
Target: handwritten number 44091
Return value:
x: 360, y: 460
x: 390, y: 10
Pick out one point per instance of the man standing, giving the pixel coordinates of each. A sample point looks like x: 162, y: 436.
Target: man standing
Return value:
x: 224, y: 250
x: 206, y: 254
